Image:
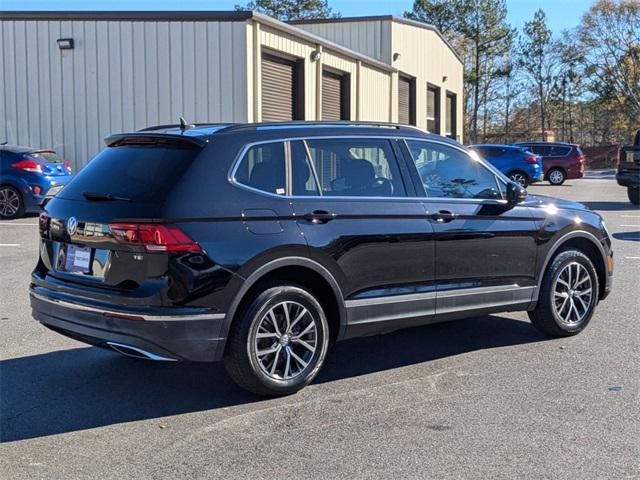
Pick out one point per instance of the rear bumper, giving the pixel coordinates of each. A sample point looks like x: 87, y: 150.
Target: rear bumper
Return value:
x: 628, y: 179
x: 161, y: 337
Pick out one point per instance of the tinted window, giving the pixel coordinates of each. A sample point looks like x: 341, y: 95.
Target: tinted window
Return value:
x: 488, y: 152
x: 303, y: 178
x: 48, y: 157
x: 542, y: 150
x: 263, y: 168
x: 450, y: 173
x: 358, y: 167
x: 557, y: 151
x: 143, y: 174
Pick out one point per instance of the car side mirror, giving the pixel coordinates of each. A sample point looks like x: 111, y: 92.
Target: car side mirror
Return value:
x: 515, y: 193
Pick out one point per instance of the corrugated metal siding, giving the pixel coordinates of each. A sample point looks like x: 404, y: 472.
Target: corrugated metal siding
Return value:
x: 371, y: 38
x: 375, y: 91
x: 426, y: 57
x: 122, y: 75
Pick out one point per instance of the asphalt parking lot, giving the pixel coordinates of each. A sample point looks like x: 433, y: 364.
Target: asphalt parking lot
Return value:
x: 486, y: 397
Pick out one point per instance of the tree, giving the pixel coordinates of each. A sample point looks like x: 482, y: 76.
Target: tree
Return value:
x: 286, y: 10
x: 479, y: 28
x: 535, y: 57
x: 610, y: 35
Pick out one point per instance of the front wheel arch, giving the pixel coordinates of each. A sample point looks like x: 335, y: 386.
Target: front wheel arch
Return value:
x: 586, y: 243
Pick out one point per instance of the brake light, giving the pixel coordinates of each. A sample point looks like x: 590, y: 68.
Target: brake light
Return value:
x: 67, y: 165
x: 581, y: 158
x: 27, y: 166
x: 154, y: 237
x: 531, y: 159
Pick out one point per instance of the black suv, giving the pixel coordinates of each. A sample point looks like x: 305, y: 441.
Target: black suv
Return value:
x: 628, y: 172
x: 261, y: 244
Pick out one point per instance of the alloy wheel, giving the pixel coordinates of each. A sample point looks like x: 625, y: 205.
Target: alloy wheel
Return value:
x: 9, y: 202
x: 286, y: 340
x: 573, y: 294
x: 519, y: 178
x: 556, y: 177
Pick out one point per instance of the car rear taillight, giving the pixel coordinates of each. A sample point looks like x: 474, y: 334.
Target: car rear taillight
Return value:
x: 27, y: 166
x: 154, y: 237
x: 581, y: 158
x: 67, y: 165
x: 531, y: 159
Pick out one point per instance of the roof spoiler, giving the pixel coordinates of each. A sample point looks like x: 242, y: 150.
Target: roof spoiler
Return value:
x: 147, y: 138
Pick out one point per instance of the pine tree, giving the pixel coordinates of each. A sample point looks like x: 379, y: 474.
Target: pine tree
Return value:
x: 286, y: 10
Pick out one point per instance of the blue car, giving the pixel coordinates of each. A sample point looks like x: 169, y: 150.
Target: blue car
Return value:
x: 28, y: 177
x: 517, y: 163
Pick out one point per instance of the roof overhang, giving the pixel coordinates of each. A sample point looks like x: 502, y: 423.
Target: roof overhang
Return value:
x: 195, y: 16
x: 382, y: 18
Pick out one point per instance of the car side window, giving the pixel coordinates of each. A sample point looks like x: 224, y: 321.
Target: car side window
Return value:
x: 356, y: 167
x: 448, y: 172
x: 263, y: 168
x: 557, y: 151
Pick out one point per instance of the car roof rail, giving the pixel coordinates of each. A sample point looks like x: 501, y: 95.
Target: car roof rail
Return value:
x: 316, y: 123
x: 178, y: 125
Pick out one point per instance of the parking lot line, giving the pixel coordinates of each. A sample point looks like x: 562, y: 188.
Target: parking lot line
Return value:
x: 9, y: 244
x: 635, y: 226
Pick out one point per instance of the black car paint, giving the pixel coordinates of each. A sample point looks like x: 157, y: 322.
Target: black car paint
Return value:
x: 371, y: 252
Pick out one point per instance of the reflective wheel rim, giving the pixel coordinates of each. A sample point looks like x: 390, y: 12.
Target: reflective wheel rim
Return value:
x: 572, y: 294
x: 9, y: 202
x: 556, y: 177
x: 286, y: 340
x: 519, y: 178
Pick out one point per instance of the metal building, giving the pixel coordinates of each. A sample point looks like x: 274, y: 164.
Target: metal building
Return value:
x: 69, y: 79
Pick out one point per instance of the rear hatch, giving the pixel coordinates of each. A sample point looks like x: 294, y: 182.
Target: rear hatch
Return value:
x: 50, y: 162
x: 103, y: 235
x: 629, y: 159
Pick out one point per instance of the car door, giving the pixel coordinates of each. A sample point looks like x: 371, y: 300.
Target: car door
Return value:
x: 485, y: 250
x: 359, y: 215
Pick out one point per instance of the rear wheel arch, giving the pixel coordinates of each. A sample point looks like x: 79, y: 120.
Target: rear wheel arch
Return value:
x: 585, y: 242
x: 299, y: 271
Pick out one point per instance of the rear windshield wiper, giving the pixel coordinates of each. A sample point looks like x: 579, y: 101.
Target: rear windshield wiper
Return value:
x: 102, y: 197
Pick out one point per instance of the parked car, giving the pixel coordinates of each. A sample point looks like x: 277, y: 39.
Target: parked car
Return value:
x: 560, y: 161
x: 27, y: 175
x: 261, y: 244
x: 628, y: 174
x: 517, y: 163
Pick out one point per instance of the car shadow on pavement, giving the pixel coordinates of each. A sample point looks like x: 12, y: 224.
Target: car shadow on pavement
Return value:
x: 82, y: 388
x: 629, y: 236
x: 611, y: 206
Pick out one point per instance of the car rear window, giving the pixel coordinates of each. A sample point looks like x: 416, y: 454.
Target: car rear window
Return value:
x: 138, y: 173
x: 48, y: 157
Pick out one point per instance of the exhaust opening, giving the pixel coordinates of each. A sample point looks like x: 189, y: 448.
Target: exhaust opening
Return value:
x: 135, y: 352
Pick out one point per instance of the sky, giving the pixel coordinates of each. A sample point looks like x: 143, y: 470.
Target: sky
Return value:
x: 561, y: 14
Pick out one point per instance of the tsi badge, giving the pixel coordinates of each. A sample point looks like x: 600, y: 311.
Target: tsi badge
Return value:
x: 72, y: 225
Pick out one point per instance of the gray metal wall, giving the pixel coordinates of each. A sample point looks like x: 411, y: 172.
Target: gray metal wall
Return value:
x: 121, y: 76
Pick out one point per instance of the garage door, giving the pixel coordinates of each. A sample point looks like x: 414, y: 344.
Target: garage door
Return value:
x: 334, y: 96
x: 279, y: 89
x: 405, y: 104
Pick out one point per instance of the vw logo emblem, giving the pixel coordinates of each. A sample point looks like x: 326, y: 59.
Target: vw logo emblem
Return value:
x: 72, y: 225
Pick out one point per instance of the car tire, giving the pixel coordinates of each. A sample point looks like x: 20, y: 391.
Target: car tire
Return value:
x: 11, y: 203
x: 519, y: 177
x: 568, y: 295
x: 287, y: 322
x: 556, y: 176
x: 634, y: 195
